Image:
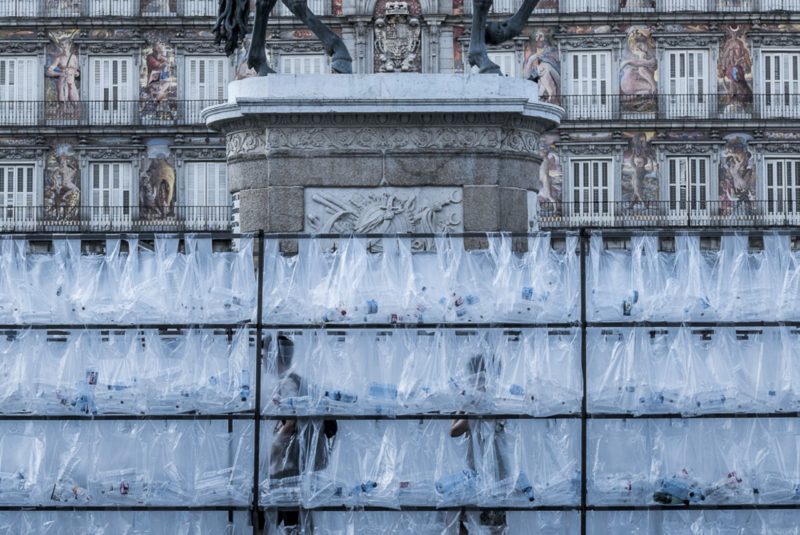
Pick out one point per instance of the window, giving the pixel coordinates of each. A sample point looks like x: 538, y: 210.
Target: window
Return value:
x: 205, y: 83
x: 781, y: 79
x: 204, y: 196
x: 586, y: 6
x: 498, y: 6
x: 200, y: 8
x: 317, y: 7
x: 589, y: 85
x: 111, y: 90
x: 782, y: 186
x: 112, y: 7
x: 684, y: 5
x: 592, y: 189
x: 18, y: 8
x: 18, y: 90
x: 17, y: 193
x: 687, y: 83
x: 304, y: 64
x: 111, y: 191
x: 507, y: 62
x: 688, y: 184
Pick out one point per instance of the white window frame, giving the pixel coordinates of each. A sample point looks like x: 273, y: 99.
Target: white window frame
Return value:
x: 111, y: 103
x: 689, y: 93
x: 116, y: 213
x: 18, y: 208
x: 586, y: 6
x: 19, y: 8
x: 591, y: 97
x: 781, y: 184
x: 317, y: 7
x: 196, y: 96
x: 780, y: 95
x: 20, y: 78
x: 303, y: 63
x: 592, y: 189
x: 689, y: 186
x: 112, y: 8
x: 209, y: 211
x: 200, y: 8
x: 506, y: 60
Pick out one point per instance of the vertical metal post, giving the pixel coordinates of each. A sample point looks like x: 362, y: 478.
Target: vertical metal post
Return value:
x: 254, y: 513
x: 583, y: 381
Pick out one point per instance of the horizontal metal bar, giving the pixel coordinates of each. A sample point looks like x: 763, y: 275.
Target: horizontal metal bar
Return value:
x: 78, y: 508
x: 419, y: 326
x: 421, y: 416
x: 248, y: 416
x: 689, y: 324
x: 123, y: 326
x: 403, y: 508
x: 697, y: 507
x: 680, y: 416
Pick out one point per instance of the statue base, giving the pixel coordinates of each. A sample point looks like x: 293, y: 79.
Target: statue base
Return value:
x: 383, y: 153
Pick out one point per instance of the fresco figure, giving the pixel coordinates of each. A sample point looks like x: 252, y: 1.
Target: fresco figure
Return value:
x: 639, y: 181
x: 61, y: 184
x: 734, y: 69
x: 64, y: 67
x: 737, y: 176
x: 544, y: 66
x: 157, y: 189
x: 637, y: 72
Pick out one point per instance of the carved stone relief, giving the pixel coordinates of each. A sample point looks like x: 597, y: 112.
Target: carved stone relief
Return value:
x: 245, y: 143
x: 384, y: 210
x: 397, y: 39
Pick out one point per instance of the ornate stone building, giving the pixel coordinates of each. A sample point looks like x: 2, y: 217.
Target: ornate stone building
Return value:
x: 678, y: 111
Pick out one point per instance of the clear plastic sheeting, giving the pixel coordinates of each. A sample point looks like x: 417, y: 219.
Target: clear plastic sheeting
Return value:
x: 146, y: 371
x: 370, y: 372
x: 694, y: 370
x: 488, y: 463
x: 119, y: 522
x: 754, y: 522
x: 694, y: 462
x: 133, y: 463
x: 732, y: 282
x: 432, y: 523
x: 136, y: 286
x: 358, y: 281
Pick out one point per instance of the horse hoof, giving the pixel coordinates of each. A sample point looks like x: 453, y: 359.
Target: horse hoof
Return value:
x: 342, y: 66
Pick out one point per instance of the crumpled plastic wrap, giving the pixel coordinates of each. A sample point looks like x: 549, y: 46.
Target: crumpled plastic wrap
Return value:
x: 116, y: 522
x: 693, y: 370
x: 693, y: 283
x: 491, y: 463
x: 138, y: 286
x: 357, y: 282
x: 480, y: 371
x: 694, y: 461
x: 74, y: 463
x: 126, y: 372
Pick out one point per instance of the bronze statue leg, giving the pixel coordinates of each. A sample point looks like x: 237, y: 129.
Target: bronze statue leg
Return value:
x: 341, y: 62
x: 500, y: 32
x: 257, y: 56
x: 477, y: 42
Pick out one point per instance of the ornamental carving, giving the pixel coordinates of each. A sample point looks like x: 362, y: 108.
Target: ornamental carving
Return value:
x: 22, y: 153
x: 700, y: 40
x: 588, y: 41
x: 12, y: 46
x: 524, y: 141
x: 776, y: 39
x: 778, y: 148
x: 196, y: 47
x: 112, y: 153
x: 687, y: 148
x: 397, y: 38
x: 590, y: 149
x: 199, y: 153
x: 384, y: 211
x: 110, y: 46
x: 245, y: 143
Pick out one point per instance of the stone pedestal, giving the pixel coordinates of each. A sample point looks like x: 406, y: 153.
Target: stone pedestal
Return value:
x: 383, y: 153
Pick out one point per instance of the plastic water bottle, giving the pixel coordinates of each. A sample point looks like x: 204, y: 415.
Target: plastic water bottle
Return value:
x: 678, y: 490
x: 364, y: 488
x: 244, y: 385
x: 627, y: 304
x: 339, y: 395
x: 524, y: 486
x: 451, y: 483
x: 382, y: 391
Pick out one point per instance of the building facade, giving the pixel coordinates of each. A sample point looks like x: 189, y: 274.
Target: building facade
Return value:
x: 678, y: 111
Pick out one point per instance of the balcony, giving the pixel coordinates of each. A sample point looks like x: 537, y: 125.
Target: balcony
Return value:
x: 678, y: 107
x: 109, y: 8
x: 98, y: 113
x: 113, y: 218
x: 623, y: 214
x: 674, y: 6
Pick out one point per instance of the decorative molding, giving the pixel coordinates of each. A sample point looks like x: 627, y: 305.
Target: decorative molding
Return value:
x: 384, y: 210
x: 193, y: 46
x: 776, y: 147
x: 22, y: 46
x: 683, y: 147
x: 609, y: 148
x: 109, y: 46
x: 245, y: 143
x: 22, y: 153
x: 111, y: 153
x: 776, y: 39
x: 295, y: 46
x: 688, y: 39
x: 183, y: 152
x: 588, y: 41
x: 397, y: 39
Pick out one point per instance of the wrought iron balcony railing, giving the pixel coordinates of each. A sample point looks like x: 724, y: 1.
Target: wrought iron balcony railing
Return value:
x: 671, y: 6
x: 115, y: 218
x: 742, y: 105
x: 781, y: 213
x: 103, y: 112
x: 109, y: 8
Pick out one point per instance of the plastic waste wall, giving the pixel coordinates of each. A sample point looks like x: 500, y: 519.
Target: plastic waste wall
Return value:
x: 420, y: 386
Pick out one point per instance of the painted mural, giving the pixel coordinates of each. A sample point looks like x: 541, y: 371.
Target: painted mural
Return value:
x: 637, y: 5
x: 546, y: 5
x: 242, y: 70
x: 62, y: 76
x: 551, y: 176
x: 737, y: 173
x: 735, y: 71
x: 61, y: 192
x: 638, y: 71
x: 158, y: 89
x: 542, y: 62
x: 639, y: 183
x: 458, y: 53
x: 157, y: 181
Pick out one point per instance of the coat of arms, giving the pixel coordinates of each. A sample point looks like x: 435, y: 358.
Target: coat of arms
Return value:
x: 397, y: 36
